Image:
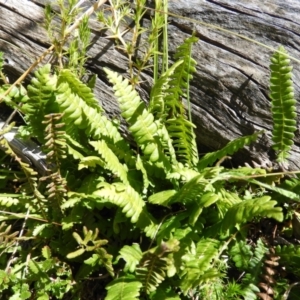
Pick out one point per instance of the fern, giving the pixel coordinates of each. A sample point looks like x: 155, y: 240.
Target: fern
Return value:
x: 196, y: 264
x: 283, y: 103
x: 142, y: 124
x: 41, y: 101
x: 78, y: 104
x: 111, y: 161
x: 245, y: 211
x: 132, y: 255
x: 154, y: 265
x: 159, y: 92
x: 241, y: 254
x: 289, y: 257
x: 126, y: 287
x: 180, y: 129
x: 253, y: 272
x: 123, y: 196
x: 232, y: 147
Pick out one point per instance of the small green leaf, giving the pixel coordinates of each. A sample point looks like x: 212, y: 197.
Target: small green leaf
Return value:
x: 76, y: 253
x: 46, y: 252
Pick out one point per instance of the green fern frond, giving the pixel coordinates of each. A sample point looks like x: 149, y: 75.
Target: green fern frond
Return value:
x: 197, y: 262
x: 159, y: 92
x: 289, y: 257
x: 241, y: 254
x: 78, y: 104
x: 245, y: 211
x: 132, y: 256
x: 41, y: 92
x: 232, y: 147
x: 112, y: 162
x: 123, y: 196
x: 152, y: 269
x: 253, y: 273
x: 142, y: 124
x: 283, y: 104
x: 126, y: 287
x: 80, y: 89
x: 180, y: 129
x: 191, y: 191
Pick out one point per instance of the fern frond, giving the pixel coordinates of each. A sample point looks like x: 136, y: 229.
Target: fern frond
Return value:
x: 8, y: 201
x: 126, y: 287
x: 132, y: 255
x: 80, y: 89
x: 123, y: 196
x: 241, y: 254
x: 252, y: 277
x: 192, y: 190
x: 232, y: 147
x: 283, y: 103
x: 245, y: 211
x: 112, y: 162
x: 180, y: 129
x: 142, y: 124
x: 289, y: 257
x: 152, y: 269
x: 197, y: 262
x: 80, y: 107
x: 159, y: 92
x: 41, y: 92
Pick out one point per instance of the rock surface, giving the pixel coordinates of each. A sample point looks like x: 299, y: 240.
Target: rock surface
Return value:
x: 229, y: 92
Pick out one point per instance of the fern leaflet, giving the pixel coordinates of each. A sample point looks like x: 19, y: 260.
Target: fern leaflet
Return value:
x: 126, y: 287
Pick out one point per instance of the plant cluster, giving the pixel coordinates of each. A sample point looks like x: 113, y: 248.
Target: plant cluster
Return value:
x: 148, y: 219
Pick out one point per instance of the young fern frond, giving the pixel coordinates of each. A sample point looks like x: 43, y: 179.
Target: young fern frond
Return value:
x: 283, y: 104
x: 246, y: 210
x: 180, y: 129
x: 142, y: 124
x: 154, y: 265
x: 112, y: 162
x: 41, y: 92
x: 232, y: 147
x: 253, y: 272
x: 196, y: 264
x: 123, y: 196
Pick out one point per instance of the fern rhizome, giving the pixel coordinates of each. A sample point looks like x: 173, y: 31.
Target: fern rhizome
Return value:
x: 89, y: 214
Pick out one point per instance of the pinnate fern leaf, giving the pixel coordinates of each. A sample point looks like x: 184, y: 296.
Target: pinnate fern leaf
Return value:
x: 112, y: 162
x: 245, y: 211
x: 123, y: 196
x: 41, y: 92
x: 232, y: 147
x: 283, y: 103
x: 78, y: 104
x: 126, y: 287
x: 241, y: 254
x: 180, y: 129
x: 154, y: 265
x: 142, y: 124
x: 198, y: 262
x: 132, y: 255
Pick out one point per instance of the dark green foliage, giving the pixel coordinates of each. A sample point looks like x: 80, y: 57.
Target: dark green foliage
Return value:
x: 148, y: 220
